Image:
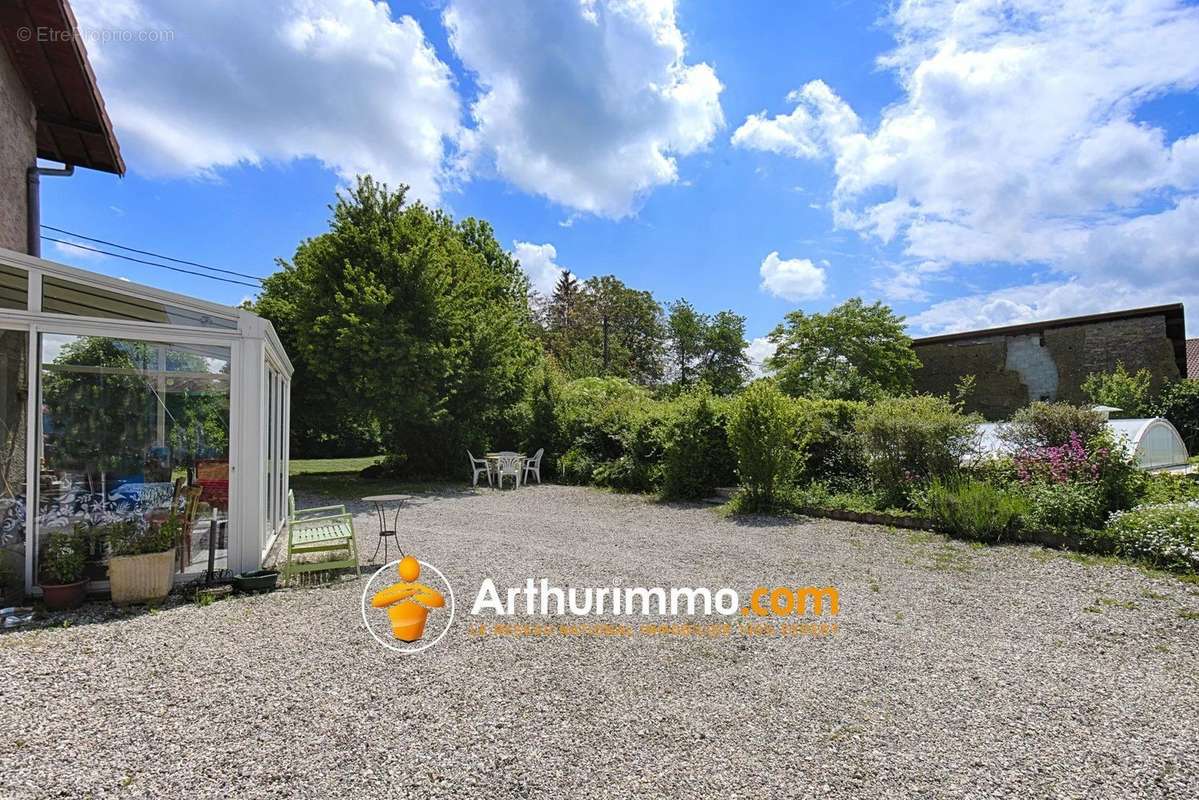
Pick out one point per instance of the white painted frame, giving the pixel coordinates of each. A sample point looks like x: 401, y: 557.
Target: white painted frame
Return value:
x: 251, y: 346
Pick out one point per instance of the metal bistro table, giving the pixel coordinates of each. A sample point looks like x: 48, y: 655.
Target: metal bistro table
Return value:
x: 380, y: 501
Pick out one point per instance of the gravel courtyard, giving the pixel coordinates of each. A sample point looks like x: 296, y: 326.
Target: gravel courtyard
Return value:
x: 957, y: 671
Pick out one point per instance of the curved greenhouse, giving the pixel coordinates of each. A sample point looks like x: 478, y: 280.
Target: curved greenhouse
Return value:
x: 1153, y: 443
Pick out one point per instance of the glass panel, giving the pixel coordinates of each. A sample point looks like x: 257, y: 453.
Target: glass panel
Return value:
x: 14, y: 287
x: 132, y: 430
x: 76, y: 299
x: 281, y: 458
x: 268, y: 453
x: 14, y: 351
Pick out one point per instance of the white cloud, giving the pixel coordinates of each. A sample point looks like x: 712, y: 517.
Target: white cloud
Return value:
x: 820, y: 116
x: 758, y: 350
x: 341, y: 81
x: 539, y: 263
x: 791, y: 278
x: 906, y: 282
x: 1017, y: 140
x: 1041, y: 301
x: 585, y: 103
x: 74, y: 252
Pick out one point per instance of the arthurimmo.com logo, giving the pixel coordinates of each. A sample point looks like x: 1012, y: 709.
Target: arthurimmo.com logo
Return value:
x: 408, y: 615
x: 398, y: 614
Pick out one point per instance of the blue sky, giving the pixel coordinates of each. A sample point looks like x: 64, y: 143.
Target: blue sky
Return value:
x: 972, y: 163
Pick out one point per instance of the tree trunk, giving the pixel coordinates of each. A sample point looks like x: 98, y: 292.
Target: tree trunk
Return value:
x: 605, y: 345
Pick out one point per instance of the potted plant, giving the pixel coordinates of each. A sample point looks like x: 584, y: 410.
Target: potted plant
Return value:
x: 141, y: 563
x: 61, y: 571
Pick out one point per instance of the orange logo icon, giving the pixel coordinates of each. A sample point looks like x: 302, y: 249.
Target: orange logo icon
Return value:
x: 408, y: 602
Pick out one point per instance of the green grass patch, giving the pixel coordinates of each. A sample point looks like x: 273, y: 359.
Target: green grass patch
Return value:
x: 950, y: 559
x: 331, y: 466
x: 342, y: 486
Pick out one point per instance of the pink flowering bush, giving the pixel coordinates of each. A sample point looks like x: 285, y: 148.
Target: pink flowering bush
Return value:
x: 1065, y: 463
x: 1074, y: 485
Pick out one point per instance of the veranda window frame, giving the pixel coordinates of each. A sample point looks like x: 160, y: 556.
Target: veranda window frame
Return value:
x: 252, y: 345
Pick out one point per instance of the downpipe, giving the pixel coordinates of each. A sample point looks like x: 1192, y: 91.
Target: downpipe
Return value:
x: 33, y: 203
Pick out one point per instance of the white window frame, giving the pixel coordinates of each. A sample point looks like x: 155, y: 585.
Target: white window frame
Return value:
x: 250, y: 346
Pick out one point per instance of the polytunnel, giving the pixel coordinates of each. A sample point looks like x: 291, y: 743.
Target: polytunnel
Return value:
x: 1153, y: 442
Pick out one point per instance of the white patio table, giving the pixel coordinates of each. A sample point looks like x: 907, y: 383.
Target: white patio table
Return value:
x: 493, y: 463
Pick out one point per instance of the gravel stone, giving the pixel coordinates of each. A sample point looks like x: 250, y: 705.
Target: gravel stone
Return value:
x: 957, y: 671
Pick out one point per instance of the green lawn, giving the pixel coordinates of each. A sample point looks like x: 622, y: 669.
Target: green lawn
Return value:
x: 338, y: 478
x: 331, y: 466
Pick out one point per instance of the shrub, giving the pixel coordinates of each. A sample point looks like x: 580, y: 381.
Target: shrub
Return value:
x: 1073, y: 507
x: 610, y: 427
x: 974, y: 509
x: 638, y: 467
x: 696, y: 457
x: 819, y: 494
x: 1057, y: 463
x: 829, y: 444
x: 761, y: 429
x: 1167, y: 488
x: 1101, y: 463
x: 910, y: 440
x: 1166, y: 536
x: 1122, y: 481
x: 132, y: 537
x: 997, y: 470
x: 62, y: 559
x: 536, y: 416
x: 1050, y: 425
x: 1120, y: 389
x: 1179, y: 403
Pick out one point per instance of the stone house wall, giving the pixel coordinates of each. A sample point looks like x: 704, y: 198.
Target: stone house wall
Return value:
x: 18, y: 150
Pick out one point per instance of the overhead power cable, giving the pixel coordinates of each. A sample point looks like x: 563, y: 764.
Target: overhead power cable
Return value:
x: 147, y: 253
x: 156, y: 264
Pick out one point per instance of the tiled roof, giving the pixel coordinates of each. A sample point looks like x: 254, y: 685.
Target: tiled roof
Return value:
x: 1193, y: 358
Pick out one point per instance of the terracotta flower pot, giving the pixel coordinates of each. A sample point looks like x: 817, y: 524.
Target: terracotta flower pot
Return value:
x: 64, y: 596
x: 139, y: 579
x: 408, y: 620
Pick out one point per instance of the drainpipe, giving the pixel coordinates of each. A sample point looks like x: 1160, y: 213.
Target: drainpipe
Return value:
x: 33, y: 203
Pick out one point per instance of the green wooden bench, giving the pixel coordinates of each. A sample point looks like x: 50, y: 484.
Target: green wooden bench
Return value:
x: 319, y: 530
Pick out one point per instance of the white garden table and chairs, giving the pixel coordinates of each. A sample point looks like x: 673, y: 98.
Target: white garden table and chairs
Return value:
x: 506, y: 464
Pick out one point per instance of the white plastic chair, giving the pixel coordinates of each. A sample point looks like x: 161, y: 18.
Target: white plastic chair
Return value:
x: 507, y: 465
x: 478, y: 465
x: 533, y: 466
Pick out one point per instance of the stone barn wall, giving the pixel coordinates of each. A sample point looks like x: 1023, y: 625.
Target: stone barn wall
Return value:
x: 1013, y: 368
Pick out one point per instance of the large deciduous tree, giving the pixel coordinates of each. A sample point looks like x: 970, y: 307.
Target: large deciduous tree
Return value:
x: 688, y: 331
x: 725, y: 365
x: 626, y: 330
x: 854, y: 352
x: 401, y: 321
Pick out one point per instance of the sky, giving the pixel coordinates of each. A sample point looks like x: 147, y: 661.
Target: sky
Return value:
x: 971, y: 164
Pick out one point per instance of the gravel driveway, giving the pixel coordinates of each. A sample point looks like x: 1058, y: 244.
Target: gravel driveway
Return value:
x: 957, y: 671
